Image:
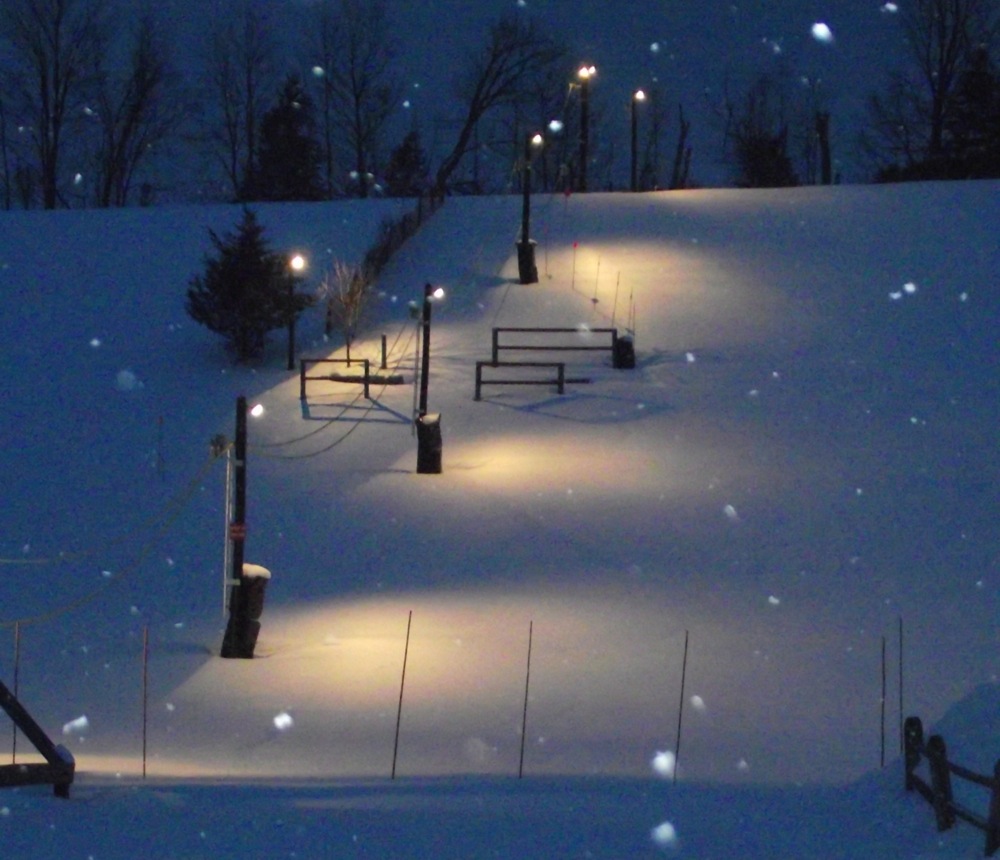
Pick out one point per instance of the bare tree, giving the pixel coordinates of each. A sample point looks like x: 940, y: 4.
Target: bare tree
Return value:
x: 757, y: 134
x: 515, y: 53
x: 346, y: 289
x: 135, y: 111
x: 4, y: 155
x: 241, y: 77
x: 909, y: 122
x: 360, y: 87
x: 52, y: 43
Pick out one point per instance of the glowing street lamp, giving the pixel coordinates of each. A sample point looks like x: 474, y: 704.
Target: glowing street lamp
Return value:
x: 526, y: 268
x: 297, y: 264
x: 637, y: 96
x: 429, y: 443
x: 585, y: 73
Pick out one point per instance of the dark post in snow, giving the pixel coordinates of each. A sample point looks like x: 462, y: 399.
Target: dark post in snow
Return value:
x: 526, y: 268
x: 236, y: 640
x: 429, y: 443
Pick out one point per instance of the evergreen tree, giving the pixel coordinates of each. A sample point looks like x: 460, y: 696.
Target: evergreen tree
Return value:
x: 406, y: 174
x: 287, y: 166
x: 246, y: 290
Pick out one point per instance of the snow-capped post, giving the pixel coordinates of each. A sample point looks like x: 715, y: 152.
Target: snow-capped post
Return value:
x: 429, y: 444
x: 241, y: 630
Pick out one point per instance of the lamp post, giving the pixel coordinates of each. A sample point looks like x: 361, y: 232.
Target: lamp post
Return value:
x: 637, y: 96
x: 526, y: 268
x: 585, y: 73
x: 429, y: 443
x: 297, y: 263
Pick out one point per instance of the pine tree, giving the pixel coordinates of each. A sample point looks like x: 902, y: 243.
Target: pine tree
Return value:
x: 246, y: 290
x: 406, y: 175
x: 288, y: 159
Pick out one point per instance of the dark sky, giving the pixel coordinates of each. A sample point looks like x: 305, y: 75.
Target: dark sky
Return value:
x: 690, y: 47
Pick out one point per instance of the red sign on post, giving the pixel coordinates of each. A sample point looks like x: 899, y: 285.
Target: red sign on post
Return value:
x: 237, y: 531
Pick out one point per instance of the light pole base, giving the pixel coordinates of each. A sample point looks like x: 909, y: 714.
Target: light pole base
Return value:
x: 526, y: 269
x: 429, y: 445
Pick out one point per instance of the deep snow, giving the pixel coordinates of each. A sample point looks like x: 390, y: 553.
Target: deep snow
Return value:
x: 805, y: 456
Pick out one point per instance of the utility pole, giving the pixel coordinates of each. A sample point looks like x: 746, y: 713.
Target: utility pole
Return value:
x: 232, y: 644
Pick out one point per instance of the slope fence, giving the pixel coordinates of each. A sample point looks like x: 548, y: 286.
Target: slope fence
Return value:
x: 938, y: 791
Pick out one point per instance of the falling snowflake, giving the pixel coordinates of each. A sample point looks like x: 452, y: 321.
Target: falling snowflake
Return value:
x: 822, y: 33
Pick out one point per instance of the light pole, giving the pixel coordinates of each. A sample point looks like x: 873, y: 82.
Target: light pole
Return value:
x: 429, y: 443
x: 637, y: 96
x: 297, y: 263
x: 526, y: 268
x: 585, y: 73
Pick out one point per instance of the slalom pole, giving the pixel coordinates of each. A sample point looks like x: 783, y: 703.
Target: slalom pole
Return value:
x: 902, y: 742
x: 145, y: 694
x: 614, y: 308
x: 680, y: 708
x: 402, y: 684
x: 17, y: 670
x: 524, y: 715
x: 882, y: 720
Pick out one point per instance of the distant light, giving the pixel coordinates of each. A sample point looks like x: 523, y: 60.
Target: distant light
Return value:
x: 257, y: 410
x: 822, y: 33
x: 586, y: 72
x: 555, y: 126
x: 406, y: 103
x: 639, y: 96
x: 297, y: 262
x: 283, y: 721
x: 537, y: 140
x: 655, y: 47
x: 318, y: 71
x: 438, y: 293
x: 78, y: 179
x: 890, y: 8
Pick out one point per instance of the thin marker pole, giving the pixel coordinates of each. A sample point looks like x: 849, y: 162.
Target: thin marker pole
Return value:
x: 402, y: 684
x: 524, y: 716
x: 17, y: 671
x: 145, y: 694
x: 882, y: 721
x: 680, y: 708
x: 901, y: 733
x: 614, y: 309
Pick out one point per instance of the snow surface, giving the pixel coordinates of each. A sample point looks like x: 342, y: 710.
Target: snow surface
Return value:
x: 804, y: 458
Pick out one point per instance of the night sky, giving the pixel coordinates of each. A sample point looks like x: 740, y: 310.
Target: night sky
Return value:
x: 691, y: 49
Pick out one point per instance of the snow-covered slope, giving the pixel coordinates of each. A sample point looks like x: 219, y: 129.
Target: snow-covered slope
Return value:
x: 803, y: 460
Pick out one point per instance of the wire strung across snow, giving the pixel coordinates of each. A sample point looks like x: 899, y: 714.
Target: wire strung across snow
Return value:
x: 162, y: 523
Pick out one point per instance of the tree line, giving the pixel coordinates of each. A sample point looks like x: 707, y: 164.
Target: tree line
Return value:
x: 93, y: 105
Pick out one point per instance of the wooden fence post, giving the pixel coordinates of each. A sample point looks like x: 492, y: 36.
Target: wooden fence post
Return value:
x: 993, y: 822
x: 937, y: 760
